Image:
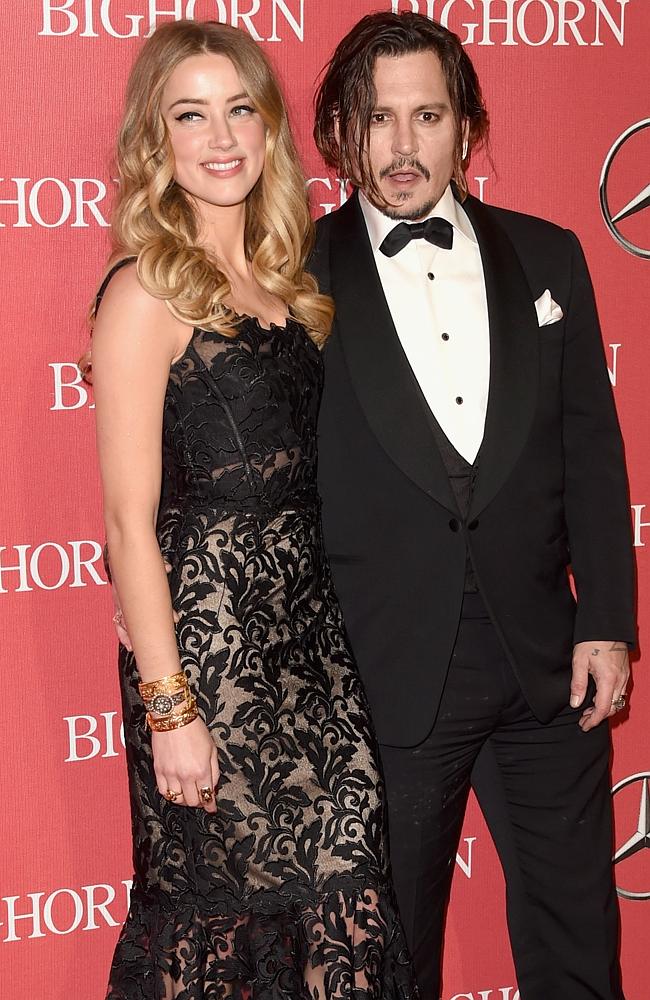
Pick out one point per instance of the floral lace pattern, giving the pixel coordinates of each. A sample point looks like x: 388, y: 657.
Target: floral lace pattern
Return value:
x: 285, y: 892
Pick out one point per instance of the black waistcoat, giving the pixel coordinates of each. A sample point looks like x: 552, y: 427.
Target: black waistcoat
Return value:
x: 461, y: 480
x: 461, y: 473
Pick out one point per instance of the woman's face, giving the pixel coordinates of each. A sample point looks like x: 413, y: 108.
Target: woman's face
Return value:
x: 217, y: 136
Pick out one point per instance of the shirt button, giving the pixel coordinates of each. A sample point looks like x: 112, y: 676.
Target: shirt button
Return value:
x: 459, y: 400
x: 445, y: 336
x: 430, y: 275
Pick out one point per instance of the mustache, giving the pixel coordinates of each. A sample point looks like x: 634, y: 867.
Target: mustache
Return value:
x: 405, y: 163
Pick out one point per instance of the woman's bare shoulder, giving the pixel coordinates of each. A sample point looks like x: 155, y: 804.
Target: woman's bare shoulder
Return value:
x: 129, y: 315
x: 125, y: 291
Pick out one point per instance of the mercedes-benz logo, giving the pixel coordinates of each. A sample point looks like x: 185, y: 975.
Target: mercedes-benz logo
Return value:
x: 638, y: 202
x: 640, y: 839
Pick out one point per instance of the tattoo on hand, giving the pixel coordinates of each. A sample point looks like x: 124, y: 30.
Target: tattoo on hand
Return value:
x: 616, y: 647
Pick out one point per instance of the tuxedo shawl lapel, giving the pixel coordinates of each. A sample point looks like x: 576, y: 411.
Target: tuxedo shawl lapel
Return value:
x: 514, y: 356
x: 381, y: 375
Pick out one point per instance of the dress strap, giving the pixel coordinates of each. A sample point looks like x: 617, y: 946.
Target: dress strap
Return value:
x: 104, y: 285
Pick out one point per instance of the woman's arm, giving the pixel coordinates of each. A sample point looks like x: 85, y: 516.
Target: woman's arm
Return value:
x: 134, y: 341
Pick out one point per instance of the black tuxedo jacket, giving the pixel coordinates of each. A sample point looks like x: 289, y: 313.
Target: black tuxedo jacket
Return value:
x: 551, y: 487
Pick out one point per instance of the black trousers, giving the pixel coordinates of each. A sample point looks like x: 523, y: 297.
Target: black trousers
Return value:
x: 544, y: 790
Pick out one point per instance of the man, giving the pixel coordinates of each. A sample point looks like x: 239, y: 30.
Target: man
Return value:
x: 469, y: 451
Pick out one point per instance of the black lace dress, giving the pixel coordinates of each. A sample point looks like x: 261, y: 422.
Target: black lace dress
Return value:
x: 285, y: 893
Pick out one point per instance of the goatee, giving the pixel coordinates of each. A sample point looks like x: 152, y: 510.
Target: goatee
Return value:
x: 408, y: 215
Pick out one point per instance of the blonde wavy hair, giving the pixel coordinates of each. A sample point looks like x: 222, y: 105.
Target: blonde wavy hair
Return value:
x: 155, y: 221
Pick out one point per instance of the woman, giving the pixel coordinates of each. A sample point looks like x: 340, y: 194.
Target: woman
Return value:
x: 258, y: 820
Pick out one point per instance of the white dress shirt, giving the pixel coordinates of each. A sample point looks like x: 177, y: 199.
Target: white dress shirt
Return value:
x: 438, y: 304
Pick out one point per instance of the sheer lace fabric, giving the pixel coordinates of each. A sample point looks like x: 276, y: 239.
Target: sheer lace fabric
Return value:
x: 285, y: 892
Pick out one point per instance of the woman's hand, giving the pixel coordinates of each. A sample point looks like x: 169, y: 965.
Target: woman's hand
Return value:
x: 185, y: 763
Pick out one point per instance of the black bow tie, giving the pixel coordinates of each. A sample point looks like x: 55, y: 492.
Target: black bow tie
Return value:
x: 435, y: 230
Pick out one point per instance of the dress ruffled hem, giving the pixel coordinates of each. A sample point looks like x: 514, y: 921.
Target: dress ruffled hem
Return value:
x: 335, y: 946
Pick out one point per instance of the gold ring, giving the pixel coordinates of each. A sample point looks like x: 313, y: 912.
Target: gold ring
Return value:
x: 619, y: 703
x: 206, y: 794
x: 172, y: 796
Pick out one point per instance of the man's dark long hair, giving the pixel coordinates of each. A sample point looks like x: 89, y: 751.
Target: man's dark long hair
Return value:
x: 346, y: 96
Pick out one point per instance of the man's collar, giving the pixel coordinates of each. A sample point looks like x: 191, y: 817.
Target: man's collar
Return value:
x: 379, y: 225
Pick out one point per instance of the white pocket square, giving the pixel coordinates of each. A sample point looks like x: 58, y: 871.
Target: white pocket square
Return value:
x: 548, y: 311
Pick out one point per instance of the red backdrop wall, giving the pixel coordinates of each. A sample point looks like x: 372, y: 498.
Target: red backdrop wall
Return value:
x: 564, y: 80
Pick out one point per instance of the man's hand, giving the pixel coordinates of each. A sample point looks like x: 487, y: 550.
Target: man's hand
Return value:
x: 118, y: 621
x: 609, y: 664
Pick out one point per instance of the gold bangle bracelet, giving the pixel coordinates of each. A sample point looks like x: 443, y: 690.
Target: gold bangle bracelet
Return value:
x: 169, y: 725
x: 164, y: 705
x: 175, y: 721
x: 163, y: 685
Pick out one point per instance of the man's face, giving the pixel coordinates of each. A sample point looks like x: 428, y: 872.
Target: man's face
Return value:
x: 412, y: 134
